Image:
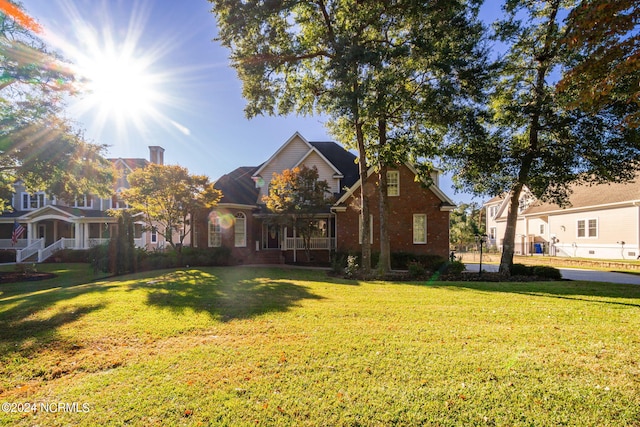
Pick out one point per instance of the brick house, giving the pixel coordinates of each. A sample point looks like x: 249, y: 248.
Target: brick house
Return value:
x: 418, y: 217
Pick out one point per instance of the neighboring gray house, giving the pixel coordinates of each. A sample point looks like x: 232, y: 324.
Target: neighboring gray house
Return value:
x: 51, y: 224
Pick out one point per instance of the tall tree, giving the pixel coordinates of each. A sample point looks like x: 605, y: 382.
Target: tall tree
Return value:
x: 37, y: 144
x: 465, y: 224
x: 167, y: 196
x: 297, y: 196
x: 360, y: 62
x: 526, y: 138
x: 603, y: 70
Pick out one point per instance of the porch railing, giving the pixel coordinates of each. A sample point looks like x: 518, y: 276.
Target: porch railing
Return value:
x: 33, y: 248
x: 63, y: 243
x: 8, y: 244
x: 315, y: 243
x: 102, y: 241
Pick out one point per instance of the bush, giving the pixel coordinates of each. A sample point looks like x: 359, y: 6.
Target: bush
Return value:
x: 416, y: 269
x: 455, y: 267
x: 521, y: 270
x: 98, y: 257
x: 7, y: 256
x: 547, y: 272
x: 71, y: 255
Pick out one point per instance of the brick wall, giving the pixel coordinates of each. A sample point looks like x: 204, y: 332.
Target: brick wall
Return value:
x: 414, y: 198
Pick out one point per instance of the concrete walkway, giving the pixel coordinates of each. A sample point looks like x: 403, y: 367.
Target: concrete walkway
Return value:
x: 576, y: 274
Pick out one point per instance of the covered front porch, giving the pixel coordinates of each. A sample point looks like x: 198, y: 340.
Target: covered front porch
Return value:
x: 52, y: 228
x: 293, y: 243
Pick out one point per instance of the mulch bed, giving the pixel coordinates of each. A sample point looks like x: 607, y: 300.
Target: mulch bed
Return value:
x: 20, y: 276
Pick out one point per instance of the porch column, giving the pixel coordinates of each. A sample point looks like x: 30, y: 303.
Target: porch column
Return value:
x: 31, y: 232
x: 78, y: 234
x: 85, y: 232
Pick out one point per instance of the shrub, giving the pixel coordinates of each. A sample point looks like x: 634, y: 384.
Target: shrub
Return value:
x: 547, y: 272
x: 338, y: 262
x: 455, y: 267
x: 352, y: 266
x: 98, y: 257
x: 71, y: 255
x: 521, y: 270
x: 7, y: 256
x: 416, y: 269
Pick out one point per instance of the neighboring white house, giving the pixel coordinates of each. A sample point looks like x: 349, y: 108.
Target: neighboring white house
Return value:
x: 51, y: 224
x: 601, y: 221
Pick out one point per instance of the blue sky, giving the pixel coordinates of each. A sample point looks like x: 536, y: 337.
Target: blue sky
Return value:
x: 195, y: 106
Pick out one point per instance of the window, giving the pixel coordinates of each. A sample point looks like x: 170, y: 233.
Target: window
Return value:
x: 32, y: 201
x: 370, y: 229
x: 493, y: 211
x: 393, y: 183
x: 419, y: 228
x: 240, y: 230
x: 587, y: 228
x: 215, y: 234
x: 154, y: 235
x: 492, y: 233
x: 541, y: 229
x: 84, y: 202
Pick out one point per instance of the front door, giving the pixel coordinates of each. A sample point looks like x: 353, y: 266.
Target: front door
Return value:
x: 273, y: 237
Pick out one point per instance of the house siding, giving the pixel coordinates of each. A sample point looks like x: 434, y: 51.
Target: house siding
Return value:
x: 615, y: 225
x: 290, y: 155
x: 413, y: 199
x: 325, y: 172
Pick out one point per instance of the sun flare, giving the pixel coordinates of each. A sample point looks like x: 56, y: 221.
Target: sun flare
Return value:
x: 119, y: 85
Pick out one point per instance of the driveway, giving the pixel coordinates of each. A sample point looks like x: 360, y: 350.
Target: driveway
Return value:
x: 577, y: 274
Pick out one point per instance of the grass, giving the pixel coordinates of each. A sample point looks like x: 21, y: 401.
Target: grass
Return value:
x: 247, y: 346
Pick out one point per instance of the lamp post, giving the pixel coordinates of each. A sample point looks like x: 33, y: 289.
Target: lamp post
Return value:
x: 480, y: 239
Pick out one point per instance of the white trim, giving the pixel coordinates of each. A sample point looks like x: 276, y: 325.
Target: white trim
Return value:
x: 337, y: 174
x: 433, y: 188
x: 396, y: 184
x: 277, y: 153
x: 586, y: 221
x: 236, y: 217
x: 413, y: 229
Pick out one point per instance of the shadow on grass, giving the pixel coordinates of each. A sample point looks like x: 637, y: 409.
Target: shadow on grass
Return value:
x: 27, y: 326
x: 232, y: 294
x: 568, y: 290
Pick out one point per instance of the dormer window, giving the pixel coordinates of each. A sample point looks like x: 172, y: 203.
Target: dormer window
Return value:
x: 32, y: 201
x: 84, y: 202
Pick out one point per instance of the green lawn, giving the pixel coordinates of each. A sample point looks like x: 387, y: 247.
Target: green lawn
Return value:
x: 265, y: 346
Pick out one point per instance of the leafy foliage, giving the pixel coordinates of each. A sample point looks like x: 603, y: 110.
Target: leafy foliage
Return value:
x: 390, y: 74
x: 296, y: 196
x: 465, y: 222
x: 37, y: 144
x: 167, y: 196
x: 526, y: 137
x: 604, y: 68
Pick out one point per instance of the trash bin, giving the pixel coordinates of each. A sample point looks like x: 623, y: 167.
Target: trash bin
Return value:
x: 537, y: 248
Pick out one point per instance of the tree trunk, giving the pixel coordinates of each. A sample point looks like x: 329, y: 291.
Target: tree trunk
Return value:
x: 364, y: 197
x: 506, y: 261
x: 508, y: 245
x: 384, y: 263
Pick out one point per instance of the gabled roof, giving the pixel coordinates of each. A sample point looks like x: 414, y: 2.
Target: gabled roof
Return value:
x: 131, y: 163
x: 281, y: 149
x: 447, y: 203
x: 238, y: 187
x: 64, y: 212
x: 341, y: 159
x: 594, y: 196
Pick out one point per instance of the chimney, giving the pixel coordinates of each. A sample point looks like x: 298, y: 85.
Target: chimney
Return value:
x: 156, y: 154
